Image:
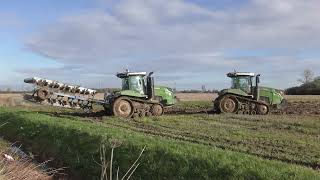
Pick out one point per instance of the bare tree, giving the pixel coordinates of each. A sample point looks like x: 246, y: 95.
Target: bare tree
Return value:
x: 307, y: 76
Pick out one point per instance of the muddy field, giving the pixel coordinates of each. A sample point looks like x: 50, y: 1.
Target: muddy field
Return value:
x: 193, y: 103
x: 303, y: 108
x: 12, y: 100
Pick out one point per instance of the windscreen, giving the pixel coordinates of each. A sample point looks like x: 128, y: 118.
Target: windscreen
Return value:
x: 135, y: 83
x: 241, y: 82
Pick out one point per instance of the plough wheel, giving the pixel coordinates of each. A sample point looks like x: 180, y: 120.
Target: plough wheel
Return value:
x: 43, y: 94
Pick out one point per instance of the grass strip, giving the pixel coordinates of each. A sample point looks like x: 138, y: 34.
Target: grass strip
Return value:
x: 76, y: 144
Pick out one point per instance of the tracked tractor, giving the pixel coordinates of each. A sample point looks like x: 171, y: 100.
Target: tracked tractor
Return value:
x: 246, y: 97
x: 139, y: 97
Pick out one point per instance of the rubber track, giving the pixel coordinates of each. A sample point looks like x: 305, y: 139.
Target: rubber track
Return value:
x: 150, y: 103
x: 244, y: 99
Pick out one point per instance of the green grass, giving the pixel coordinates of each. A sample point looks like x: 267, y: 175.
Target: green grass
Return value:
x: 75, y: 142
x: 286, y: 138
x: 289, y: 138
x: 194, y: 104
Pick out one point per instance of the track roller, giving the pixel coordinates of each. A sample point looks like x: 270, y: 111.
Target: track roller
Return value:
x: 263, y: 109
x: 157, y: 110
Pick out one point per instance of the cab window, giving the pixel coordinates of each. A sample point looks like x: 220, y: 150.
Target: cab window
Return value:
x: 243, y: 83
x: 136, y: 84
x: 125, y: 84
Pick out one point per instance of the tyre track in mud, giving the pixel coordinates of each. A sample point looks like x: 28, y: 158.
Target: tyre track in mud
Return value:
x: 261, y: 149
x: 249, y: 146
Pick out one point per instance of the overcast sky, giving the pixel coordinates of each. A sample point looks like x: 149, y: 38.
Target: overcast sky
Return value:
x: 187, y: 43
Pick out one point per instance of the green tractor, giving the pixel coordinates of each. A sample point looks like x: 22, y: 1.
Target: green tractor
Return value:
x: 138, y: 97
x: 246, y: 97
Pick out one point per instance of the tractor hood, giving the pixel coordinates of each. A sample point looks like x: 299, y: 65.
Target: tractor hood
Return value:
x: 242, y: 93
x: 279, y: 91
x: 131, y: 93
x: 164, y: 87
x: 233, y: 91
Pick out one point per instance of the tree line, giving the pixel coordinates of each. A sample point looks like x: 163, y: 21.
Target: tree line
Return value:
x: 310, y: 85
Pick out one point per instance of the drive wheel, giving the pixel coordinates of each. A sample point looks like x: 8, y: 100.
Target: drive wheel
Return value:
x: 263, y: 109
x: 157, y: 110
x: 228, y: 104
x: 122, y: 108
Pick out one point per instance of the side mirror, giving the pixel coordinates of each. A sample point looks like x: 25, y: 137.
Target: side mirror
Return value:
x: 150, y: 74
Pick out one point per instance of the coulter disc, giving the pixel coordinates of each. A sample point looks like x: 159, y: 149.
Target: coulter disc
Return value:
x: 43, y: 94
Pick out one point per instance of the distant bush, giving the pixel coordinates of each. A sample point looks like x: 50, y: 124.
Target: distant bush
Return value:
x: 311, y: 88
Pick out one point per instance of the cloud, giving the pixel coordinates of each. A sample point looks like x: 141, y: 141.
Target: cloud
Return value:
x: 10, y: 20
x: 180, y: 37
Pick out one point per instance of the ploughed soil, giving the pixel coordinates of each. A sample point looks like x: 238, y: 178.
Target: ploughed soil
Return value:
x: 303, y: 107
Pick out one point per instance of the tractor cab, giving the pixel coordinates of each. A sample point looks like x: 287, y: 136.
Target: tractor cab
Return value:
x: 245, y: 82
x: 241, y: 81
x: 135, y: 84
x: 133, y: 81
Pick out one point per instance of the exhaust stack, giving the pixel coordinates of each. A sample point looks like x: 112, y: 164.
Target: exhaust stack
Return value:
x: 150, y: 86
x: 257, y: 93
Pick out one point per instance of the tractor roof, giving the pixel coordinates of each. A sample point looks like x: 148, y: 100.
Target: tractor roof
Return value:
x: 235, y: 74
x: 127, y: 74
